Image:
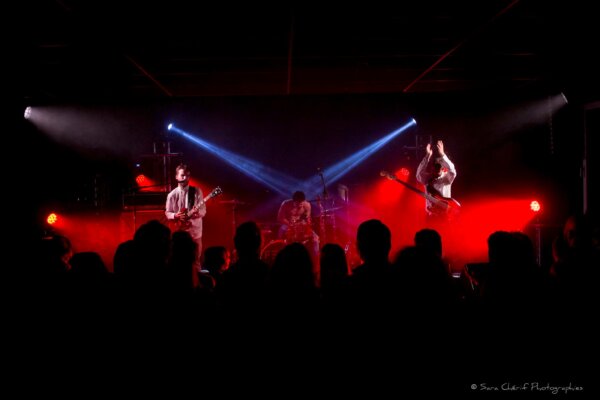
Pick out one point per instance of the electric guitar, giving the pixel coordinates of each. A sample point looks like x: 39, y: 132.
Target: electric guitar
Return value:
x: 184, y: 222
x: 440, y: 203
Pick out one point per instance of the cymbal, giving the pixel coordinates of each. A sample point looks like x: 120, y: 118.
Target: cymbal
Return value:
x: 233, y: 202
x: 333, y: 209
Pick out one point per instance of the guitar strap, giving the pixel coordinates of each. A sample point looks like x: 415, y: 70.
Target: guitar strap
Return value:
x: 191, y: 197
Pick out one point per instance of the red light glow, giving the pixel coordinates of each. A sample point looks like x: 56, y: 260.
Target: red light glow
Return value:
x: 52, y: 218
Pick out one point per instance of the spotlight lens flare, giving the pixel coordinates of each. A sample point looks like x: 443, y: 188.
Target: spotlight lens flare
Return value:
x: 169, y: 126
x: 52, y: 218
x: 535, y: 206
x: 27, y: 113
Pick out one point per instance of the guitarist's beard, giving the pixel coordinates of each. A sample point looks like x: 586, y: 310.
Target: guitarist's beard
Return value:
x: 183, y: 182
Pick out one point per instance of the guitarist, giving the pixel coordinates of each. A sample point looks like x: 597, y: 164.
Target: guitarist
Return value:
x: 185, y: 207
x: 437, y: 174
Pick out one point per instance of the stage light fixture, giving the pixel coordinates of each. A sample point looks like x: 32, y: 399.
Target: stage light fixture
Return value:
x: 52, y: 218
x: 535, y: 206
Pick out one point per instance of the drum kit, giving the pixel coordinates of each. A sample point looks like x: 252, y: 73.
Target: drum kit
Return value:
x: 324, y: 224
x: 326, y: 220
x: 299, y: 232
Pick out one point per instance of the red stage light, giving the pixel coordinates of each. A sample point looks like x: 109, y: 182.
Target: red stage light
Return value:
x: 140, y: 179
x: 404, y: 172
x: 535, y: 206
x: 52, y: 218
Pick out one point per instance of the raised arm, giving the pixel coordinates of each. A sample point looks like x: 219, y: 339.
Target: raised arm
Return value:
x: 446, y: 163
x: 422, y: 174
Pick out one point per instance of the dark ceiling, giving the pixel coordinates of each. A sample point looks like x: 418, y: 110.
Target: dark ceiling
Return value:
x: 135, y: 50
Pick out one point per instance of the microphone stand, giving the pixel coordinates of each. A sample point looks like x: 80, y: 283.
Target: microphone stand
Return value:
x: 322, y: 225
x: 323, y: 182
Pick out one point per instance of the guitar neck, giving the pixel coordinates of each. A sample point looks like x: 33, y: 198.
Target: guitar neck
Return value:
x: 212, y: 194
x: 420, y: 192
x: 196, y: 207
x: 433, y: 199
x: 414, y: 189
x: 203, y: 202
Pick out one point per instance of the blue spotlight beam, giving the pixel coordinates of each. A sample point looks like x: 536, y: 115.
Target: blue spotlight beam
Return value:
x: 283, y: 183
x: 273, y: 179
x: 337, y: 171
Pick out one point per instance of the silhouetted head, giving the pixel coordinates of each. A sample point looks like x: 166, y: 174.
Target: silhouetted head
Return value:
x: 298, y: 196
x: 247, y: 239
x: 216, y: 259
x: 374, y: 241
x: 429, y: 240
x: 437, y: 169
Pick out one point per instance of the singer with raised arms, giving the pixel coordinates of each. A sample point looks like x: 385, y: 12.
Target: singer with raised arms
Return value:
x: 437, y: 174
x: 185, y: 208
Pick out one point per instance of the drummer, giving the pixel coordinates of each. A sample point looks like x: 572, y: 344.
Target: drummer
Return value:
x: 295, y: 218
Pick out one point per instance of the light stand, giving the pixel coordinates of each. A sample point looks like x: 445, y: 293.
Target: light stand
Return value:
x: 538, y: 241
